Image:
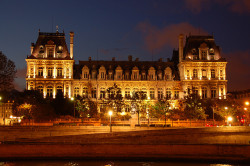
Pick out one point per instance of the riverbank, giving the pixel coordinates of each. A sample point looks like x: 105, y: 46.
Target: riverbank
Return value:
x: 232, y: 153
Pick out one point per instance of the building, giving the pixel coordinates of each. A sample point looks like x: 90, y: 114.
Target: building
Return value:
x: 197, y: 65
x: 6, y: 113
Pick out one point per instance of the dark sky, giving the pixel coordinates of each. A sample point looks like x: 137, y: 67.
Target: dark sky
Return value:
x: 147, y: 29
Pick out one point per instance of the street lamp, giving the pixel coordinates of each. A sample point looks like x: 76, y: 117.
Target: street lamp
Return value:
x: 110, y: 114
x: 229, y: 119
x: 72, y: 99
x: 247, y: 103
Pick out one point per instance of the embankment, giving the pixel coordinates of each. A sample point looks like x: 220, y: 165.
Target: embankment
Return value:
x: 190, y: 152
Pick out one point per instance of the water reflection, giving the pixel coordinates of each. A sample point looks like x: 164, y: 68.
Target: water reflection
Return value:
x: 105, y: 163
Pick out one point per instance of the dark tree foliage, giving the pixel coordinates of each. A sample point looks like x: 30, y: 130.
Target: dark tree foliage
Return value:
x: 114, y: 99
x: 194, y: 108
x: 85, y: 107
x: 62, y: 106
x: 30, y: 104
x: 7, y: 73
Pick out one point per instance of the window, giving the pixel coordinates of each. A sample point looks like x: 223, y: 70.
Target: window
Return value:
x: 204, y: 92
x: 168, y: 93
x: 187, y: 73
x: 204, y: 54
x: 50, y: 71
x: 195, y: 73
x: 213, y: 93
x: 85, y: 92
x: 176, y: 94
x: 110, y: 76
x: 85, y: 75
x: 59, y: 72
x: 76, y: 91
x: 221, y: 74
x: 40, y: 71
x: 127, y: 93
x: 212, y: 73
x: 152, y: 93
x: 102, y: 75
x: 143, y: 76
x: 59, y: 89
x: 49, y: 91
x: 159, y: 76
x: 127, y: 76
x: 50, y: 53
x: 195, y: 90
x: 93, y: 93
x: 127, y: 108
x: 40, y: 89
x: 102, y: 93
x: 160, y: 93
x: 204, y: 73
x: 135, y: 76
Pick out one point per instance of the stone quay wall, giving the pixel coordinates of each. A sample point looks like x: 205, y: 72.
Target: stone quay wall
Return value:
x: 93, y: 151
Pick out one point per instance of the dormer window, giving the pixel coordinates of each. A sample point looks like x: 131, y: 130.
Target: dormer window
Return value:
x: 50, y: 53
x: 211, y: 51
x: 102, y: 75
x: 204, y: 54
x: 41, y: 49
x: 60, y: 48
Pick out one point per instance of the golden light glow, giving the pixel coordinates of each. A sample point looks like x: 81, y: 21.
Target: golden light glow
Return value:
x: 229, y: 119
x: 110, y: 113
x: 247, y: 103
x: 226, y: 108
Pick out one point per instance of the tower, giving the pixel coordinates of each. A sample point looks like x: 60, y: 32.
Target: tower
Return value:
x: 50, y: 65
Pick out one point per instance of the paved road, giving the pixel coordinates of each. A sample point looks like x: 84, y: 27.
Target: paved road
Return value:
x: 125, y: 135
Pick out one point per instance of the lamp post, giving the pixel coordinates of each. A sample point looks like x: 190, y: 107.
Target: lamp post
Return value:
x: 229, y: 119
x: 110, y: 114
x: 72, y: 99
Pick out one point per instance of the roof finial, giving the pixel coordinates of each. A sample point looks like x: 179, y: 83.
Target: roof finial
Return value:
x: 39, y: 30
x: 57, y: 28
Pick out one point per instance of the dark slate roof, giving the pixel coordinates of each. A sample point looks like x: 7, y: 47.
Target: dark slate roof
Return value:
x: 159, y: 66
x: 57, y: 38
x: 194, y: 42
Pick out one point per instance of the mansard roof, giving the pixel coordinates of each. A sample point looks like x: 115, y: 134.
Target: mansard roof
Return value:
x: 195, y: 42
x: 125, y: 66
x: 45, y: 38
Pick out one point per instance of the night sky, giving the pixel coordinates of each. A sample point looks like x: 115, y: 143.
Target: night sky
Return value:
x: 147, y: 29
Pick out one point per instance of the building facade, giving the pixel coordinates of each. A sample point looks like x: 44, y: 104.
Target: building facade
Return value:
x: 197, y: 65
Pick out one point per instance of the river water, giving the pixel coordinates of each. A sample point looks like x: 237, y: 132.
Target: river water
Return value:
x: 107, y: 163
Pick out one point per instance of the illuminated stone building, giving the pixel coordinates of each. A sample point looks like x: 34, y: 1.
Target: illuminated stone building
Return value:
x: 197, y: 65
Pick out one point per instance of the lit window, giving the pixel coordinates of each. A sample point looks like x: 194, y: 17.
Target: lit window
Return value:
x: 176, y: 94
x: 127, y: 93
x: 40, y: 71
x: 49, y: 91
x: 50, y: 71
x: 212, y: 73
x: 76, y: 91
x: 204, y: 92
x: 160, y: 93
x: 85, y: 92
x: 195, y: 73
x: 152, y: 93
x: 59, y: 72
x: 168, y: 93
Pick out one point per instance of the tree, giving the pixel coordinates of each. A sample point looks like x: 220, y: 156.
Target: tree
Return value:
x: 114, y: 100
x: 86, y: 107
x: 194, y: 109
x: 138, y: 100
x: 7, y: 72
x: 62, y: 106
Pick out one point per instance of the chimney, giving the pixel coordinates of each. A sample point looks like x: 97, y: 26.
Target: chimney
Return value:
x: 130, y: 58
x: 160, y: 60
x: 31, y: 48
x: 89, y: 58
x: 113, y: 59
x: 71, y: 44
x: 180, y: 47
x: 137, y: 59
